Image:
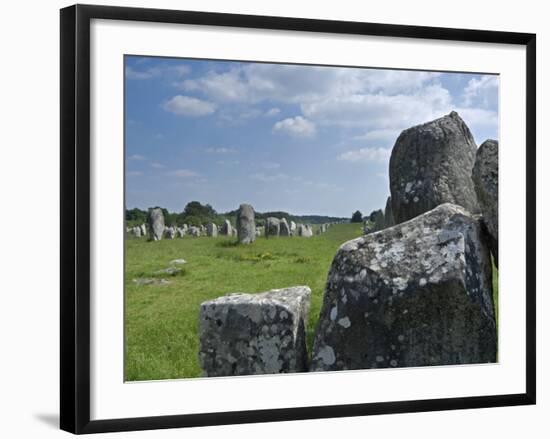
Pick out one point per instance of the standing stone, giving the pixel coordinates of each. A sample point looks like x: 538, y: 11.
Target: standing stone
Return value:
x: 388, y: 215
x: 416, y: 294
x: 249, y: 334
x: 246, y: 224
x: 292, y: 228
x: 212, y: 230
x: 284, y: 229
x: 143, y: 230
x: 194, y: 231
x: 226, y: 228
x: 378, y: 220
x: 181, y: 232
x: 136, y: 231
x: 272, y: 226
x: 485, y: 177
x: 170, y: 232
x: 304, y: 230
x: 155, y: 223
x: 431, y: 164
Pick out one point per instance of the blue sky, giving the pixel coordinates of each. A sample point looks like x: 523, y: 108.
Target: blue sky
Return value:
x: 302, y: 139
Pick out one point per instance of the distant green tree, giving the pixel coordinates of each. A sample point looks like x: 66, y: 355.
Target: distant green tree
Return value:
x: 357, y: 217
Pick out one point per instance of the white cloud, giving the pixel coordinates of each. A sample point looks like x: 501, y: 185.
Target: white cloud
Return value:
x: 142, y: 74
x: 272, y: 112
x: 266, y: 178
x: 479, y: 117
x: 183, y: 173
x: 366, y: 155
x: 136, y: 157
x: 220, y: 150
x: 189, y: 106
x: 271, y: 165
x: 157, y: 165
x: 228, y: 162
x: 295, y: 127
x: 481, y: 91
x: 383, y: 135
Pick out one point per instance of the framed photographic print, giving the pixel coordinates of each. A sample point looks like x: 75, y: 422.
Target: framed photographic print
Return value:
x: 274, y: 218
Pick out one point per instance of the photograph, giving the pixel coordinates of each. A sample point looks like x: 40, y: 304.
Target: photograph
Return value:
x: 286, y: 218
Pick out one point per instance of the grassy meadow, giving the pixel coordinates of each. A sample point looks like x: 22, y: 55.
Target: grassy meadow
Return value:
x: 161, y: 321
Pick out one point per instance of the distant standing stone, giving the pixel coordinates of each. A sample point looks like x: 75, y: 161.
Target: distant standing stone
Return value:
x: 170, y: 232
x: 416, y: 294
x: 226, y: 228
x: 284, y: 229
x: 143, y: 230
x: 212, y: 230
x: 378, y: 219
x: 249, y: 334
x: 155, y: 222
x: 388, y: 214
x: 272, y: 226
x: 431, y: 164
x: 292, y: 228
x: 485, y: 177
x: 246, y: 224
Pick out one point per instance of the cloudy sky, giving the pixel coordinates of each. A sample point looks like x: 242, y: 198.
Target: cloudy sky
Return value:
x: 303, y: 139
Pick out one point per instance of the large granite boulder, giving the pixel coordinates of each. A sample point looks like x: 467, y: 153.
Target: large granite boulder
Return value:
x: 416, y: 294
x: 388, y: 214
x: 211, y: 230
x: 292, y: 228
x: 485, y: 177
x: 155, y: 223
x: 246, y: 224
x: 304, y: 230
x: 431, y: 164
x: 272, y: 226
x: 248, y: 334
x: 284, y: 228
x: 226, y: 228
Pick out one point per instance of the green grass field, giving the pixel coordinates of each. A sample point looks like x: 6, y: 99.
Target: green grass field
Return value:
x: 161, y: 321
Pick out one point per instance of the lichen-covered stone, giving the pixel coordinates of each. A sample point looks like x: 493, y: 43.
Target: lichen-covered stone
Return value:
x: 272, y: 226
x: 246, y: 224
x: 416, y: 294
x: 249, y: 334
x: 155, y: 222
x: 431, y: 164
x: 226, y: 228
x: 378, y: 220
x: 485, y: 177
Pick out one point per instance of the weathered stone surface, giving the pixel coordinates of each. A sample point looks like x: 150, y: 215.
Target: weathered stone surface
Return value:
x: 388, y: 214
x: 143, y: 230
x: 170, y: 232
x: 226, y: 228
x: 292, y: 228
x: 485, y: 177
x: 272, y: 226
x: 155, y: 223
x: 284, y: 229
x: 431, y: 164
x: 304, y: 230
x: 211, y: 230
x: 416, y: 294
x: 248, y: 334
x: 194, y: 231
x: 246, y: 224
x: 136, y: 231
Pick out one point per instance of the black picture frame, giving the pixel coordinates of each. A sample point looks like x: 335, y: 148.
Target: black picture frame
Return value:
x: 75, y: 217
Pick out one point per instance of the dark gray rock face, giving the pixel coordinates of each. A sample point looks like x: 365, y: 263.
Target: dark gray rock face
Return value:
x: 485, y: 177
x: 284, y: 229
x: 431, y: 164
x: 388, y: 214
x: 155, y: 223
x: 248, y: 334
x: 378, y: 219
x: 272, y: 226
x: 416, y: 294
x: 246, y: 224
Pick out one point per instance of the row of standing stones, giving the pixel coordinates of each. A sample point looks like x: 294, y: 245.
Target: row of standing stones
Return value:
x: 246, y: 229
x: 416, y: 293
